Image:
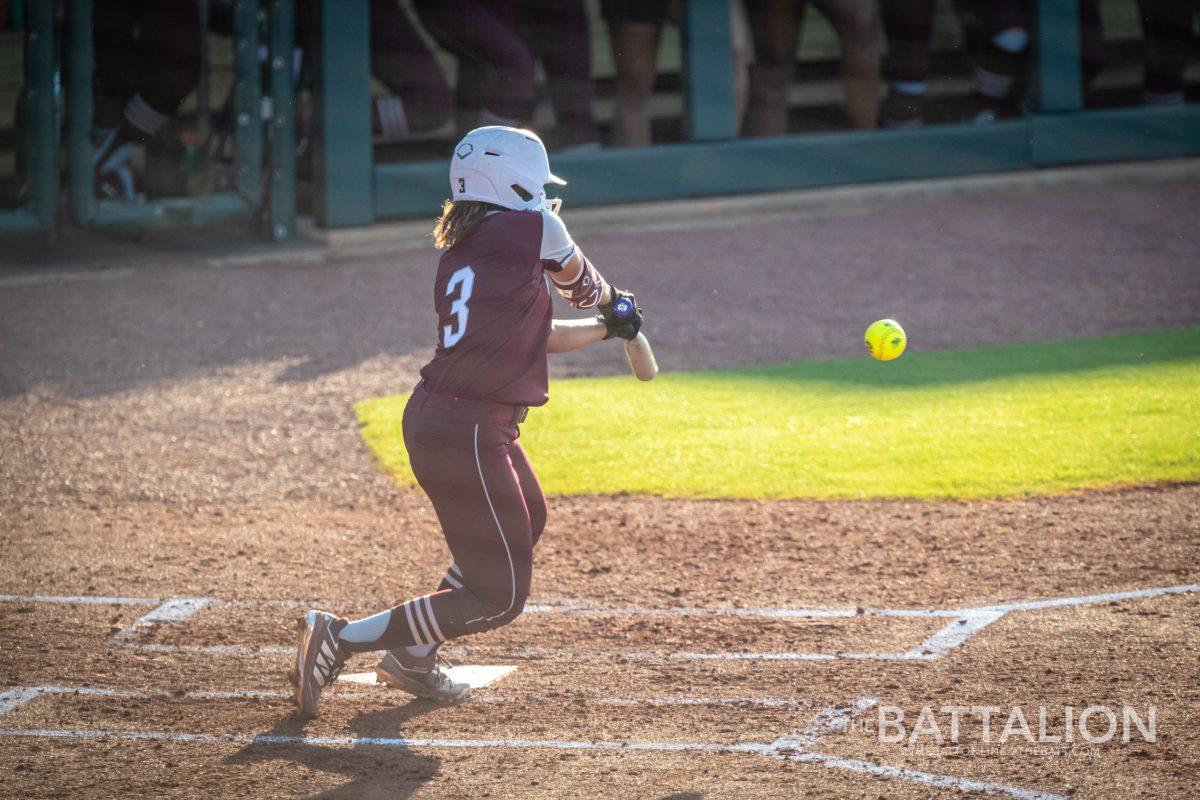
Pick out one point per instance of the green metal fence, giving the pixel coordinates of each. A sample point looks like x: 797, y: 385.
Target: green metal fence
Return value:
x: 250, y: 108
x: 1059, y: 132
x: 248, y: 147
x: 40, y: 134
x: 349, y: 189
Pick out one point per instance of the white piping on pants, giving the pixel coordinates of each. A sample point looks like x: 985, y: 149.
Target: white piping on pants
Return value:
x: 512, y: 570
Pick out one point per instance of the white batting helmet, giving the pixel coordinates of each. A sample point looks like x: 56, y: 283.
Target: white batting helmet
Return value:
x: 501, y: 165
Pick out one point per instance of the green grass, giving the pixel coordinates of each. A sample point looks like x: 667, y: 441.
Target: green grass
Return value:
x: 991, y: 422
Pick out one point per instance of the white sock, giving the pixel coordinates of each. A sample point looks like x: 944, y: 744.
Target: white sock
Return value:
x: 393, y: 122
x: 144, y: 117
x: 421, y: 650
x: 367, y: 629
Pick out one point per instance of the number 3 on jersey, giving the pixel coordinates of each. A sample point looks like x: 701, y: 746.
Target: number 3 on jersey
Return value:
x: 462, y: 281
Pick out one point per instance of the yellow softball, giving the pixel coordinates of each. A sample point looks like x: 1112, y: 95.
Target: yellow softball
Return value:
x: 885, y: 339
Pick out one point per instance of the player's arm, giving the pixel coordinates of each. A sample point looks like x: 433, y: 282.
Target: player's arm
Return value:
x: 573, y: 276
x: 578, y: 281
x: 571, y: 334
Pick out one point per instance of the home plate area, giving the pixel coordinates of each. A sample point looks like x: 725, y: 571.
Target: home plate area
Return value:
x: 675, y: 689
x: 475, y: 676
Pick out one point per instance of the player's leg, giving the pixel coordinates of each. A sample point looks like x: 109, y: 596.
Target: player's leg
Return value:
x: 469, y: 475
x: 775, y: 26
x: 1000, y: 62
x: 909, y: 27
x: 1168, y: 26
x: 531, y: 490
x: 119, y: 63
x: 467, y: 471
x: 1091, y: 45
x: 420, y: 97
x: 557, y: 31
x: 484, y: 33
x: 169, y: 42
x: 535, y: 502
x: 858, y: 29
x: 634, y: 30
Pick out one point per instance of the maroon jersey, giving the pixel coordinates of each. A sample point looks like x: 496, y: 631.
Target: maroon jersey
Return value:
x: 494, y: 311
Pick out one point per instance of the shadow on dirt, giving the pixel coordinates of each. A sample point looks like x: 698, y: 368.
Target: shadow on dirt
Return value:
x: 1068, y: 261
x: 95, y: 333
x: 369, y: 770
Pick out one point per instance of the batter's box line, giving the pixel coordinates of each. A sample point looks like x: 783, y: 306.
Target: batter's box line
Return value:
x: 964, y: 624
x: 18, y: 696
x: 798, y: 746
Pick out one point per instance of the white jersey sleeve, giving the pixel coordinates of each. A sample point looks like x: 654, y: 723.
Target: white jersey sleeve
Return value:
x: 557, y: 244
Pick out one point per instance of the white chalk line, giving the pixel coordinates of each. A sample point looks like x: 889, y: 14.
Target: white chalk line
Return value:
x: 794, y: 747
x: 544, y: 652
x: 833, y: 719
x: 967, y: 623
x: 582, y: 607
x: 955, y: 634
x: 80, y: 599
x: 15, y: 697
x: 586, y: 607
x: 11, y: 699
x: 178, y: 609
x: 752, y: 748
x: 919, y: 776
x: 666, y: 655
x: 1086, y: 600
x: 563, y: 607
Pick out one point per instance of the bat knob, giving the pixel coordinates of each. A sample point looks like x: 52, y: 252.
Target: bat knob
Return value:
x: 623, y: 308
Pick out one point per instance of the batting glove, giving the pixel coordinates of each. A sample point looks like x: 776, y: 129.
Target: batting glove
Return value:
x: 622, y: 317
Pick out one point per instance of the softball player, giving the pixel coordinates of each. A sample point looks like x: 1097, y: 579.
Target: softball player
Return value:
x: 503, y: 245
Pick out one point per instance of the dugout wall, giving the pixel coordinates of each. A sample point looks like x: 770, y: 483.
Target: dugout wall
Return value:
x: 1058, y: 132
x: 349, y: 189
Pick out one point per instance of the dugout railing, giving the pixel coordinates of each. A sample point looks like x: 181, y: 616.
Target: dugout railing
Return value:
x: 351, y: 190
x: 267, y: 190
x: 39, y: 207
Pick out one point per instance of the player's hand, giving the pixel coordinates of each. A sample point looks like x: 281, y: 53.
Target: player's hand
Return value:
x: 621, y: 315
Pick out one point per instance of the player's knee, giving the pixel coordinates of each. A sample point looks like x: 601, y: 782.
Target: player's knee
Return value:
x: 857, y: 22
x: 516, y: 66
x: 497, y: 612
x: 518, y: 607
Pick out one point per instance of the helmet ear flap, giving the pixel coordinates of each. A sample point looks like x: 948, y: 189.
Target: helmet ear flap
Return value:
x: 529, y: 200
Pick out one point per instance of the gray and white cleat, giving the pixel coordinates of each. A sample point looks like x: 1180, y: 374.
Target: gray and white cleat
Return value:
x: 319, y: 659
x: 422, y: 676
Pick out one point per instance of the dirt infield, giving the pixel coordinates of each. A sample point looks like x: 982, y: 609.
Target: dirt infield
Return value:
x: 182, y: 473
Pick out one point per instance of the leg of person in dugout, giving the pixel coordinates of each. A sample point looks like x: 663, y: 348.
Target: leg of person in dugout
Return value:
x: 1169, y: 42
x: 857, y: 25
x: 909, y: 27
x: 485, y: 35
x: 420, y: 97
x: 775, y: 27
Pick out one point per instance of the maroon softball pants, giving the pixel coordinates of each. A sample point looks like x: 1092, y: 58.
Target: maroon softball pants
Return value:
x: 466, y: 457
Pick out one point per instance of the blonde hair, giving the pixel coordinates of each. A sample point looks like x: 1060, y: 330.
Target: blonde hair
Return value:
x: 457, y: 219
